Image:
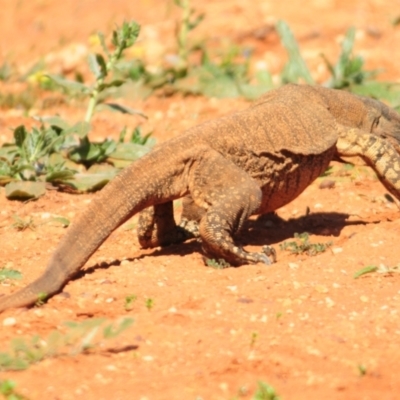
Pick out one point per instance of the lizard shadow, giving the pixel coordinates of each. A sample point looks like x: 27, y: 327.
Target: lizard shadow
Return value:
x: 267, y: 229
x: 181, y: 249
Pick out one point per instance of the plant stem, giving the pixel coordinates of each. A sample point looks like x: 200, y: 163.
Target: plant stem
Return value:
x: 184, y: 30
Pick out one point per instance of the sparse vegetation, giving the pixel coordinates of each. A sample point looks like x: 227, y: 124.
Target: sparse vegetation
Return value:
x: 129, y: 300
x: 7, y: 274
x: 254, y: 337
x: 80, y: 337
x: 216, y: 264
x: 382, y: 269
x: 60, y: 153
x: 53, y: 151
x: 23, y: 224
x: 303, y: 245
x: 362, y: 369
x: 149, y: 303
x: 265, y: 392
x: 8, y: 390
x: 41, y: 299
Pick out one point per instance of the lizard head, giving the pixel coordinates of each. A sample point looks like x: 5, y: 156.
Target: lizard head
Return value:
x: 382, y: 121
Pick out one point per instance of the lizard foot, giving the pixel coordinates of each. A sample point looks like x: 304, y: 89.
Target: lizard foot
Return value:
x: 270, y: 252
x: 190, y: 227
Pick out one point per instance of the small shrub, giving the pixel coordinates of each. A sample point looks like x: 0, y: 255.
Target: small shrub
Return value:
x: 303, y: 245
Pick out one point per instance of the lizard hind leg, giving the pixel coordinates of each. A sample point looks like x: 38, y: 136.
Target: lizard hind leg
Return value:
x: 191, y: 217
x: 157, y: 227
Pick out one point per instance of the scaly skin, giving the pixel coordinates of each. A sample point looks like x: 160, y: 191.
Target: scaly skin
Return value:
x: 250, y: 162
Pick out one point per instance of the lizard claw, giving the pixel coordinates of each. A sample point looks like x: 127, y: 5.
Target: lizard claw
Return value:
x: 270, y: 252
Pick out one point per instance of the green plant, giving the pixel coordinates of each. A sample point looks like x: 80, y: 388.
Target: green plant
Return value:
x: 296, y: 68
x: 189, y: 21
x: 5, y: 71
x: 7, y: 389
x: 149, y: 304
x: 382, y: 269
x: 51, y: 152
x: 217, y: 264
x: 80, y: 337
x: 41, y: 299
x: 303, y: 245
x: 21, y: 225
x: 349, y: 68
x: 194, y: 70
x: 347, y: 73
x: 101, y: 67
x: 129, y: 300
x: 254, y: 337
x: 24, y: 100
x: 265, y: 392
x: 8, y: 274
x: 362, y: 369
x: 30, y: 159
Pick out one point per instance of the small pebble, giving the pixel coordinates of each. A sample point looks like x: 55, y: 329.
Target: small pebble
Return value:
x: 327, y: 184
x: 10, y: 321
x: 245, y: 300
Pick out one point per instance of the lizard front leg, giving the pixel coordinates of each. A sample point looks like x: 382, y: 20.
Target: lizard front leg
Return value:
x: 229, y: 196
x: 378, y: 152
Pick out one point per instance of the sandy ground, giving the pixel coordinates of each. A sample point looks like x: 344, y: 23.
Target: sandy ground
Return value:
x: 304, y: 325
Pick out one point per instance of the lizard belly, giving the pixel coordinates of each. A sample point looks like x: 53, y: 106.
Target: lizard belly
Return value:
x: 284, y: 182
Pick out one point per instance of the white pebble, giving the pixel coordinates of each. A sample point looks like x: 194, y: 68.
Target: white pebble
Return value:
x: 10, y: 321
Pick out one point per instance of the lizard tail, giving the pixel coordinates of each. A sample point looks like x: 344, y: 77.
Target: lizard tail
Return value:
x: 148, y: 181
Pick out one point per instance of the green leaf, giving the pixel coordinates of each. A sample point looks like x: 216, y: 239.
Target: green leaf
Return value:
x: 102, y: 64
x: 91, y: 182
x: 129, y: 151
x: 265, y: 392
x: 103, y: 43
x: 23, y: 190
x: 81, y: 129
x: 366, y: 270
x: 57, y: 176
x: 121, y: 109
x: 296, y: 68
x: 68, y: 85
x: 111, y: 332
x: 95, y: 66
x: 54, y: 121
x: 62, y: 220
x: 114, y: 83
x: 6, y: 273
x: 389, y: 91
x: 20, y: 134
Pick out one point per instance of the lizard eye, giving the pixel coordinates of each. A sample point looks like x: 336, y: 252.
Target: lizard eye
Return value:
x: 375, y: 123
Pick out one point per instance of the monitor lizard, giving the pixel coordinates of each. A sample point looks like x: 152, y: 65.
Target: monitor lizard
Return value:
x: 249, y: 162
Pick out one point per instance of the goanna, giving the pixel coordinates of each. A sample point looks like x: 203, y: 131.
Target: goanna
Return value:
x: 250, y: 162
